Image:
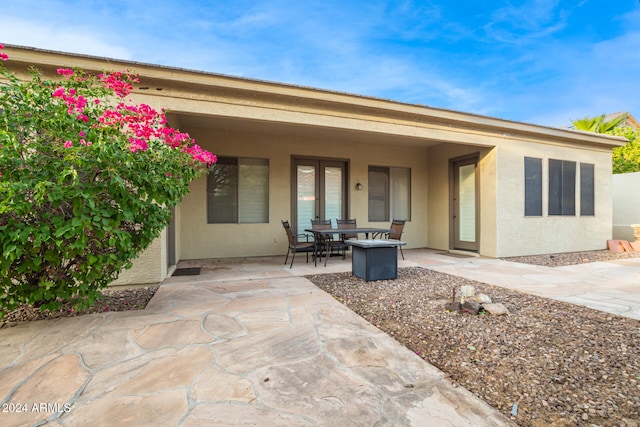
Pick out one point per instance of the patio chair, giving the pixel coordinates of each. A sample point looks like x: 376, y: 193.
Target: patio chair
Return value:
x: 325, y: 243
x: 397, y: 225
x: 295, y: 246
x: 347, y: 223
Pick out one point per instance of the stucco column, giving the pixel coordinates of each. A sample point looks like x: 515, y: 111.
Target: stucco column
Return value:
x: 636, y: 232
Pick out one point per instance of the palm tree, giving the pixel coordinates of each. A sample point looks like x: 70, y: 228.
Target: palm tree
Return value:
x: 598, y: 124
x: 625, y: 158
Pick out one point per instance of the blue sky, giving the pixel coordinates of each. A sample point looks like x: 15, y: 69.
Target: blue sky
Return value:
x: 539, y: 61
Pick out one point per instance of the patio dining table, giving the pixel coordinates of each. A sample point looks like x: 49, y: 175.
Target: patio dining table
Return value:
x: 343, y: 231
x: 357, y: 230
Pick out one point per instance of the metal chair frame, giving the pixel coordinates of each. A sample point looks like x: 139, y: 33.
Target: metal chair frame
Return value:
x: 295, y: 246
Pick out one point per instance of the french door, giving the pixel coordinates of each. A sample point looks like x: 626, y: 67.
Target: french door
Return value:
x: 319, y: 191
x: 464, y: 204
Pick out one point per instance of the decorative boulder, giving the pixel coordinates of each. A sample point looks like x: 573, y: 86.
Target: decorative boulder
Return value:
x: 471, y: 307
x: 496, y: 309
x: 481, y: 299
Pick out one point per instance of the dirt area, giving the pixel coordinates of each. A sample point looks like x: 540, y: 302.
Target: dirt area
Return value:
x: 547, y: 362
x: 120, y: 300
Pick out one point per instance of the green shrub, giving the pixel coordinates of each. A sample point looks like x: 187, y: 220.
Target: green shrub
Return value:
x: 86, y: 183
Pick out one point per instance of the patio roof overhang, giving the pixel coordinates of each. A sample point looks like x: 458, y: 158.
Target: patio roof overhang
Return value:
x: 208, y: 100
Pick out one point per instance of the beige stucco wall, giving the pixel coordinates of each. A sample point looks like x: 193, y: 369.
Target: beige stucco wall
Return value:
x: 201, y: 240
x: 149, y: 268
x: 504, y: 230
x: 626, y: 204
x: 438, y: 219
x: 520, y: 235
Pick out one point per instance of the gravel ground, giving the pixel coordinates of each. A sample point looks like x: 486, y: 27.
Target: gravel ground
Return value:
x: 572, y: 258
x: 561, y: 364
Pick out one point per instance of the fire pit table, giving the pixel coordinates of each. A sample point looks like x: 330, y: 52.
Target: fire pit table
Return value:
x: 375, y: 259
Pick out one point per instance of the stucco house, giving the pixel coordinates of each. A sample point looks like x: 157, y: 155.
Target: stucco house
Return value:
x: 462, y: 181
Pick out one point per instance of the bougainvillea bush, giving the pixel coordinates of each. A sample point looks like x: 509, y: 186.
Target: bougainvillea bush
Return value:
x: 87, y: 181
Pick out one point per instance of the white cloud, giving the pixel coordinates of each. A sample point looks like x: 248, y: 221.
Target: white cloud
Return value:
x: 532, y: 20
x: 48, y: 36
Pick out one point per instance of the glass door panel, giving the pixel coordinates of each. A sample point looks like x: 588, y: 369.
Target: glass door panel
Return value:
x: 306, y: 209
x: 333, y: 193
x: 467, y: 207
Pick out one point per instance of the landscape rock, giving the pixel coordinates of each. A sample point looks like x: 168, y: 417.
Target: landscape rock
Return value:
x: 496, y: 308
x: 481, y: 299
x: 471, y: 307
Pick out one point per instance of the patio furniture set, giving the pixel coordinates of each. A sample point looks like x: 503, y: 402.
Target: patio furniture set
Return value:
x: 372, y: 259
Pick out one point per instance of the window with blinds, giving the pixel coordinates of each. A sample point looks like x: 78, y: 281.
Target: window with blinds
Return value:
x: 389, y: 193
x: 562, y: 187
x: 587, y: 205
x: 532, y: 186
x: 238, y: 191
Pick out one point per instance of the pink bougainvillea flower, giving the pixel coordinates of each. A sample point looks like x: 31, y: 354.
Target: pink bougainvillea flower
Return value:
x: 141, y: 122
x: 81, y: 102
x: 120, y: 82
x: 68, y: 144
x: 4, y: 56
x: 138, y: 145
x: 65, y: 72
x: 59, y: 92
x: 75, y: 105
x: 201, y: 155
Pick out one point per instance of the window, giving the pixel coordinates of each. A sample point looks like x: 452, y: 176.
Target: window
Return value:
x: 389, y: 193
x: 532, y: 186
x: 238, y: 191
x: 586, y: 189
x: 562, y: 187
